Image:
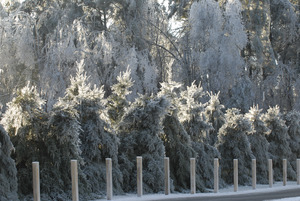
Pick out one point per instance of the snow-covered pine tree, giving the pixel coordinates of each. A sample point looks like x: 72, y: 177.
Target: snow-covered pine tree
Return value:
x: 117, y: 102
x: 97, y: 139
x: 63, y: 145
x: 26, y: 123
x: 215, y: 116
x: 52, y: 142
x: 233, y: 143
x: 140, y: 130
x: 259, y: 143
x: 279, y: 142
x: 177, y: 142
x: 8, y: 170
x: 292, y: 120
x: 191, y: 115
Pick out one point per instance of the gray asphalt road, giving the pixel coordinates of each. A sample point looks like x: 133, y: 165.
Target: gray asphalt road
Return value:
x: 246, y: 197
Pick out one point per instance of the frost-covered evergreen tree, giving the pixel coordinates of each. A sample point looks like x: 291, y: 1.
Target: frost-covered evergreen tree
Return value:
x: 63, y: 145
x: 140, y: 130
x: 26, y: 123
x: 8, y: 170
x: 191, y: 115
x: 177, y: 142
x: 259, y: 143
x: 279, y: 142
x: 117, y: 102
x: 215, y: 116
x: 233, y: 143
x: 97, y: 139
x: 52, y: 142
x: 292, y: 120
x: 179, y: 149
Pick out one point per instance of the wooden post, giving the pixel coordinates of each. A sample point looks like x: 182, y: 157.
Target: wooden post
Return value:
x: 284, y: 173
x: 253, y: 174
x: 167, y: 175
x: 298, y: 171
x: 74, y: 175
x: 109, y: 186
x: 235, y: 174
x: 193, y: 175
x: 36, y: 181
x: 270, y: 167
x: 216, y: 175
x: 139, y: 179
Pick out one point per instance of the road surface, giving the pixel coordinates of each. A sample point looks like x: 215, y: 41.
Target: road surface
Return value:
x: 244, y: 197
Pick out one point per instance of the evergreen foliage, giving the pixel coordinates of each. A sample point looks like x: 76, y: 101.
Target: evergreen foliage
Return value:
x: 292, y: 120
x: 140, y: 130
x: 179, y: 149
x: 63, y: 145
x: 191, y: 115
x: 215, y: 116
x: 52, y: 141
x: 97, y: 139
x: 233, y: 143
x: 8, y: 170
x: 26, y: 123
x: 177, y: 142
x: 117, y: 102
x: 279, y: 142
x: 259, y: 143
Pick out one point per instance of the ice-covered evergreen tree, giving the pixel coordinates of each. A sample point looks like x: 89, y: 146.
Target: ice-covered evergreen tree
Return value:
x: 279, y: 142
x: 8, y: 170
x: 117, y: 102
x: 97, y: 138
x: 177, y: 142
x: 191, y: 115
x: 53, y: 142
x: 215, y: 116
x: 233, y: 143
x: 63, y: 145
x: 26, y: 123
x: 140, y: 130
x: 191, y: 112
x: 292, y: 120
x: 259, y: 143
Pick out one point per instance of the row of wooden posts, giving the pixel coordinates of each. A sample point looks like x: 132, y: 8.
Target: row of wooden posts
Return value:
x: 109, y: 189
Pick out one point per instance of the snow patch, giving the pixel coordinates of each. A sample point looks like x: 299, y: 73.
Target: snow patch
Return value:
x: 222, y: 192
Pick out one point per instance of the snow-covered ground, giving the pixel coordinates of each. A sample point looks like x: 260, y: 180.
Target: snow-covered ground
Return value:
x: 225, y: 191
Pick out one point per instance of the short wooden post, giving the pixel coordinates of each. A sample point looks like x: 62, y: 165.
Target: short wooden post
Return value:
x: 216, y: 175
x: 193, y: 175
x: 235, y: 174
x: 253, y: 174
x: 139, y: 180
x: 270, y: 167
x: 284, y: 173
x: 74, y: 175
x: 36, y: 181
x: 109, y: 186
x: 298, y: 171
x: 167, y: 175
